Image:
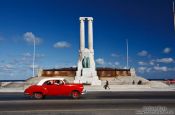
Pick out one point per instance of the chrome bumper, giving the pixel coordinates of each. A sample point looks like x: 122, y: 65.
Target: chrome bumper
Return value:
x: 84, y: 92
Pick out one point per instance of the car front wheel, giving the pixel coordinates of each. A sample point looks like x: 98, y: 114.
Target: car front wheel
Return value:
x: 75, y: 95
x: 38, y: 95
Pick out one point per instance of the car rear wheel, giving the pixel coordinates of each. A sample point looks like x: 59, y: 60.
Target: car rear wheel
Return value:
x: 75, y: 94
x: 38, y: 95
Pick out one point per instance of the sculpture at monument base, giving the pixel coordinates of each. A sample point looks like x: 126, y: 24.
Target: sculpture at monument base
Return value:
x: 86, y: 62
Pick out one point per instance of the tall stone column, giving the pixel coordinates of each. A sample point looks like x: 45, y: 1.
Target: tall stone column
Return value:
x: 86, y: 72
x: 82, y: 34
x: 90, y: 34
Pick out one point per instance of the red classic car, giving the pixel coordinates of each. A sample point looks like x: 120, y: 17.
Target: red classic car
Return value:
x: 169, y: 82
x: 54, y: 87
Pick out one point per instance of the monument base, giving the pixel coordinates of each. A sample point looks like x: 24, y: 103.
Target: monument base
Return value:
x: 87, y: 76
x: 87, y: 80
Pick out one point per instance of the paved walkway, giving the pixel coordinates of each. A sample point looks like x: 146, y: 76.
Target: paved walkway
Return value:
x: 128, y: 88
x: 20, y: 89
x: 113, y: 88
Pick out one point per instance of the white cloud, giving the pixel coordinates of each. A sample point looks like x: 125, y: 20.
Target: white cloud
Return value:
x: 29, y: 37
x: 27, y: 58
x: 167, y: 50
x: 37, y: 55
x: 35, y: 66
x: 7, y: 67
x: 100, y: 61
x: 142, y: 63
x: 142, y: 53
x: 27, y: 54
x: 114, y: 55
x: 74, y: 66
x: 110, y: 63
x: 163, y: 68
x: 142, y: 69
x: 62, y: 44
x: 117, y: 63
x: 151, y: 62
x: 113, y: 64
x: 165, y: 60
x: 148, y: 70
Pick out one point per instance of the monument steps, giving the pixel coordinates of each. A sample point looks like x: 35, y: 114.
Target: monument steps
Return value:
x: 15, y: 84
x: 126, y: 80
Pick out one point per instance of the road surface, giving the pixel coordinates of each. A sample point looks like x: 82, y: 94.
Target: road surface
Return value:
x: 93, y: 103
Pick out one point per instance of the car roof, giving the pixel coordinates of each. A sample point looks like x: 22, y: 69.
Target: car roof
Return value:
x: 46, y: 79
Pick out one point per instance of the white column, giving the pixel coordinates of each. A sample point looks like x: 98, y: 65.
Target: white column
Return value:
x: 82, y: 34
x: 90, y: 34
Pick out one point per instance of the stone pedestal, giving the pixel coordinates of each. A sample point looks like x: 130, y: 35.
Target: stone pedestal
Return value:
x: 88, y: 80
x: 88, y: 76
x: 86, y: 71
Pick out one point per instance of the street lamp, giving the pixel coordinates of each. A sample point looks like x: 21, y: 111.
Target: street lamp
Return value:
x: 174, y: 15
x: 127, y: 53
x: 33, y: 57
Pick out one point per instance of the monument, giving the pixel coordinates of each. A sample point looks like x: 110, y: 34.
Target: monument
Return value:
x: 86, y: 69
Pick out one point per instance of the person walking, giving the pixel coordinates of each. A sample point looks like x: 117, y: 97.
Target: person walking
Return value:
x: 133, y: 82
x: 106, y: 85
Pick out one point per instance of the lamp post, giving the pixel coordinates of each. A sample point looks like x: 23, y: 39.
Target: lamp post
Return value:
x: 127, y: 53
x: 174, y: 15
x: 33, y: 57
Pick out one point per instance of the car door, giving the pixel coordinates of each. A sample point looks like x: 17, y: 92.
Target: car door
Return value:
x: 59, y: 88
x: 50, y: 87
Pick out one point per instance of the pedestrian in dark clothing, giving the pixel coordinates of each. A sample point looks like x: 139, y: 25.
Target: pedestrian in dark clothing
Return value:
x: 139, y: 82
x: 106, y: 85
x: 133, y: 82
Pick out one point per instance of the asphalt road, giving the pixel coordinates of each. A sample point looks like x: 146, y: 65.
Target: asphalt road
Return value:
x: 92, y: 103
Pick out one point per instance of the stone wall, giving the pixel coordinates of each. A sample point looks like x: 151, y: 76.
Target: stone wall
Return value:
x: 59, y: 72
x: 101, y: 72
x: 110, y: 72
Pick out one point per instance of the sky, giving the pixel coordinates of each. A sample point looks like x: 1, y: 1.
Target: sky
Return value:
x: 54, y: 24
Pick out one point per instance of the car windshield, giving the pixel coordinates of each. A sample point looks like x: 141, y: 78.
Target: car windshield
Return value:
x: 49, y: 82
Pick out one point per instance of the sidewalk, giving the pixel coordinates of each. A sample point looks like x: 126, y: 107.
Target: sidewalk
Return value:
x: 113, y: 88
x: 9, y: 90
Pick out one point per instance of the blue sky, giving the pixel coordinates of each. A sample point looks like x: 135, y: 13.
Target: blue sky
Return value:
x: 54, y: 24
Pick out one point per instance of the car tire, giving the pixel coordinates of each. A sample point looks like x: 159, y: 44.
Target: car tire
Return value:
x: 75, y: 94
x: 38, y: 95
